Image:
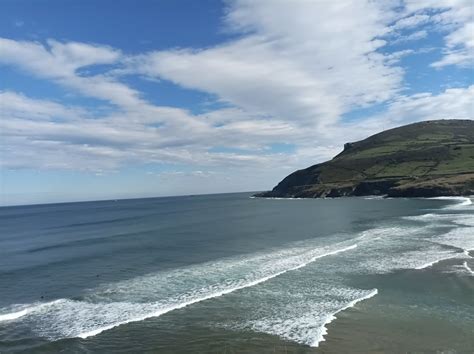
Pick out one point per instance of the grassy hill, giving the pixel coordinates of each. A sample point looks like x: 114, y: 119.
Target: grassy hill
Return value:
x: 429, y: 158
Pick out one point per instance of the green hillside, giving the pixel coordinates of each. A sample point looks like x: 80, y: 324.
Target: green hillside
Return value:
x: 423, y: 159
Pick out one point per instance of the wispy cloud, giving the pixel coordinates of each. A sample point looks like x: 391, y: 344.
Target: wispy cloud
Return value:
x: 311, y: 61
x: 456, y: 17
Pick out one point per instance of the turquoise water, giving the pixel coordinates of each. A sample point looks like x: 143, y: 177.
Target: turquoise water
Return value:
x: 230, y: 273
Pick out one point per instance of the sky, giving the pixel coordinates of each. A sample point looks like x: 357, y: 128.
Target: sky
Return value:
x: 124, y: 99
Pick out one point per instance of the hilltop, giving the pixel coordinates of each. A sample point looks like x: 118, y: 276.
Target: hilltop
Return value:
x: 426, y: 159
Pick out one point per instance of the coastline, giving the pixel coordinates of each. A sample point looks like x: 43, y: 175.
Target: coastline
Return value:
x: 264, y: 195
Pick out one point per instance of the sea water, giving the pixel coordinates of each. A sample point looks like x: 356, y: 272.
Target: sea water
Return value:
x: 229, y: 272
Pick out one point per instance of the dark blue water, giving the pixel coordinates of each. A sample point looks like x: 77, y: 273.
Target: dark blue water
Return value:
x: 207, y: 273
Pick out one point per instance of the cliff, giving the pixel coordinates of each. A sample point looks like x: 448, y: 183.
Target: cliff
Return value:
x: 426, y: 159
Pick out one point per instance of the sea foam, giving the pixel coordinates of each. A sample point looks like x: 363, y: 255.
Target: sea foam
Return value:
x: 306, y: 322
x: 157, y: 294
x: 332, y: 316
x: 211, y: 295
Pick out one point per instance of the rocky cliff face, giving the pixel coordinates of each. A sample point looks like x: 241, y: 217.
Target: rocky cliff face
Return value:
x: 427, y: 159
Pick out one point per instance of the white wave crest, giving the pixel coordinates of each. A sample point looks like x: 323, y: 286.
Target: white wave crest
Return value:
x: 306, y: 322
x: 432, y: 263
x: 467, y: 268
x: 460, y: 237
x: 332, y: 316
x: 211, y: 295
x: 461, y: 201
x: 22, y: 310
x: 12, y: 315
x: 157, y: 294
x: 419, y: 259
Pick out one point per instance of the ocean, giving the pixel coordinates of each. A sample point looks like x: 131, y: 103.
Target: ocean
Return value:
x: 233, y: 274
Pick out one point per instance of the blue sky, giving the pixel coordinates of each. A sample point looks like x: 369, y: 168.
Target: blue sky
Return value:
x: 114, y: 99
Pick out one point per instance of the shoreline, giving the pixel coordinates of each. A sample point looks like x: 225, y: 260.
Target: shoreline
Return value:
x: 385, y: 326
x: 368, y: 196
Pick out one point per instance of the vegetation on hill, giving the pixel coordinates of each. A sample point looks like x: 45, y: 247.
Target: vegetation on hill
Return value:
x: 423, y: 159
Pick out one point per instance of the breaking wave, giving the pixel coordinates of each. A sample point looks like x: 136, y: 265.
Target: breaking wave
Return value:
x: 157, y: 294
x: 467, y: 268
x: 302, y: 319
x: 308, y: 324
x: 461, y: 201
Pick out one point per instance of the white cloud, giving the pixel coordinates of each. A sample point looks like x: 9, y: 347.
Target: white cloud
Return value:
x: 460, y: 47
x: 395, y: 57
x: 107, y: 143
x: 415, y: 36
x: 311, y: 61
x: 457, y: 18
x: 44, y: 134
x: 59, y: 60
x: 453, y: 103
x: 31, y: 109
x: 411, y: 21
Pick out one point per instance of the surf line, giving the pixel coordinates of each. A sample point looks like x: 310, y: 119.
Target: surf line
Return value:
x: 211, y: 295
x: 25, y: 311
x: 469, y: 269
x: 430, y: 264
x: 463, y: 254
x: 461, y: 200
x: 13, y: 315
x: 331, y: 317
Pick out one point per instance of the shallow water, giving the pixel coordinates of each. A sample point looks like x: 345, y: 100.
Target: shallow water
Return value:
x: 231, y: 273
